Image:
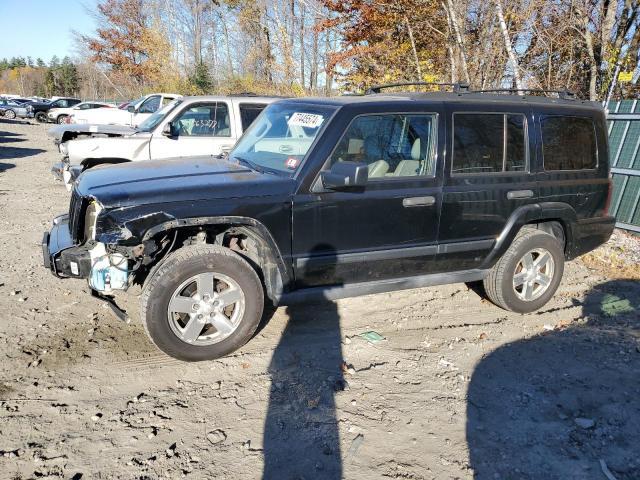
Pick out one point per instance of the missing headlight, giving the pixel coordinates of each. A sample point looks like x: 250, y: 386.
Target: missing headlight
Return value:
x: 90, y: 218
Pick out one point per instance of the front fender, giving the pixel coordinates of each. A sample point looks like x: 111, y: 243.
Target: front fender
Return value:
x: 130, y: 148
x: 130, y: 228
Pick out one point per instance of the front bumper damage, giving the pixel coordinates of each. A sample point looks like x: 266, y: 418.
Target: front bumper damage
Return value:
x: 67, y: 260
x: 61, y: 255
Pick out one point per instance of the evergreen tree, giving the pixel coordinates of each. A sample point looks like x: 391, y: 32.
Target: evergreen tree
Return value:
x: 49, y: 83
x: 40, y: 63
x: 68, y: 77
x: 201, y: 78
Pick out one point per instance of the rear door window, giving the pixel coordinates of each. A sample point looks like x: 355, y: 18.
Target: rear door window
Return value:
x: 249, y: 112
x: 569, y: 143
x: 485, y: 143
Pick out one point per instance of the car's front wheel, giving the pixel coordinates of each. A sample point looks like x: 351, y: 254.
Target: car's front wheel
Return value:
x: 204, y: 302
x: 61, y: 119
x: 528, y: 274
x: 41, y: 117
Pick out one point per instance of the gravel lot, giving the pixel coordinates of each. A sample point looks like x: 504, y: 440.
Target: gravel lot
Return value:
x: 457, y: 389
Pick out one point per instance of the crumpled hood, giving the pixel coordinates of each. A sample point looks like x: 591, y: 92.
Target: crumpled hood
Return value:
x: 177, y: 180
x: 58, y: 131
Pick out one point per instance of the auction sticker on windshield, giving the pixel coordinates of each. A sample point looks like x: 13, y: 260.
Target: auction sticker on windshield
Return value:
x: 292, y: 163
x: 308, y: 120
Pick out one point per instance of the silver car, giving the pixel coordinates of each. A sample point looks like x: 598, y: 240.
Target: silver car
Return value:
x: 11, y: 109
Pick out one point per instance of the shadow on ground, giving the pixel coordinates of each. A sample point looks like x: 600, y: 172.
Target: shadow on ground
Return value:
x: 6, y: 166
x: 554, y: 406
x: 17, y: 152
x: 6, y: 121
x: 301, y: 429
x: 13, y: 139
x: 4, y: 133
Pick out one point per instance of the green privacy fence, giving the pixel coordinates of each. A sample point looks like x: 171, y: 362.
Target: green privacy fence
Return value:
x: 624, y: 151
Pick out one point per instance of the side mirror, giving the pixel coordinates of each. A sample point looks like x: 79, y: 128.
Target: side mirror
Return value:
x: 169, y: 130
x: 344, y: 175
x: 131, y: 109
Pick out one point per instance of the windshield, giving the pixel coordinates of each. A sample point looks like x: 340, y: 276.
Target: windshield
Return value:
x: 281, y: 136
x: 152, y: 122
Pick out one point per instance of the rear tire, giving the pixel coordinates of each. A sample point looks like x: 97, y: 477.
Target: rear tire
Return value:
x: 202, y: 303
x: 41, y: 117
x: 528, y: 274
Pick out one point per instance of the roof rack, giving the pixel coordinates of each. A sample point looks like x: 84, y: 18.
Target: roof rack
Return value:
x: 563, y: 94
x: 457, y: 87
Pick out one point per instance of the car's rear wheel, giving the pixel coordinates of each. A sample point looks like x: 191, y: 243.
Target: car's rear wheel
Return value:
x: 204, y: 302
x: 528, y: 274
x: 10, y: 114
x: 41, y: 117
x: 61, y: 119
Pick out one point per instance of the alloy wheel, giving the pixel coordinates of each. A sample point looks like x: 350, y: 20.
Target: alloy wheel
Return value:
x: 533, y: 274
x: 206, y: 308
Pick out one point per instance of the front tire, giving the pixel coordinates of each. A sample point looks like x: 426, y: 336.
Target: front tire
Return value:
x: 528, y: 274
x: 41, y: 117
x: 61, y: 119
x: 204, y: 302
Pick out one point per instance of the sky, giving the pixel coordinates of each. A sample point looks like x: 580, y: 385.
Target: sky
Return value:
x: 42, y: 28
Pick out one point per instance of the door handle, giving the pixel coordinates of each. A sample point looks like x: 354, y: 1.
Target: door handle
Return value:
x: 515, y: 194
x: 419, y: 201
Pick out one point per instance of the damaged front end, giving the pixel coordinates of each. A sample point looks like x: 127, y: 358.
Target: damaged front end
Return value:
x: 71, y: 250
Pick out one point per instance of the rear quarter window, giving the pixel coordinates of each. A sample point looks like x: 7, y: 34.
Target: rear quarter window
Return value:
x: 489, y: 143
x: 569, y: 143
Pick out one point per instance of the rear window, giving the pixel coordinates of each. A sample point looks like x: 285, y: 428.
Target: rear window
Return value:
x: 569, y: 143
x: 489, y: 143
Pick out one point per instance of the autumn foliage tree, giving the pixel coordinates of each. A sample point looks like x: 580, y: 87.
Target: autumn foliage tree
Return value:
x: 386, y: 41
x: 127, y: 42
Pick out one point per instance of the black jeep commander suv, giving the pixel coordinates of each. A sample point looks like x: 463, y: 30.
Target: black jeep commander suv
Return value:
x: 339, y: 197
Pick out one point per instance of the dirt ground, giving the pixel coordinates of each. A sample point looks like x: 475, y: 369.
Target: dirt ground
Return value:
x: 457, y: 389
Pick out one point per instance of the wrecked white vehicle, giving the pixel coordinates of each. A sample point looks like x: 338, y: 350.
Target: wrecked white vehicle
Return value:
x: 190, y: 126
x: 135, y: 113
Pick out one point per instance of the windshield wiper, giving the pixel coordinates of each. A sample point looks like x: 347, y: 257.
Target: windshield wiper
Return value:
x: 247, y: 163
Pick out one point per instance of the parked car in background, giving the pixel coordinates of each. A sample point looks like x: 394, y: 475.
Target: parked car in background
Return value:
x: 22, y: 101
x: 134, y: 114
x: 39, y: 110
x: 189, y: 126
x: 11, y: 109
x: 61, y: 115
x: 346, y: 196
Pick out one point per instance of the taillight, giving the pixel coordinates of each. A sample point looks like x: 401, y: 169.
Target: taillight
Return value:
x: 609, y: 196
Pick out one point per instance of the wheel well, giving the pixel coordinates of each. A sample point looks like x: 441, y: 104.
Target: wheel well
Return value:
x: 554, y: 227
x: 246, y: 241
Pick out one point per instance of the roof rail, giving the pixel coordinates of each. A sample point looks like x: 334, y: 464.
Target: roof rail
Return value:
x: 563, y: 94
x: 457, y: 87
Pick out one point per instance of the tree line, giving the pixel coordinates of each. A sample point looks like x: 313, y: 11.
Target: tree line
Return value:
x: 320, y: 47
x: 26, y: 76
